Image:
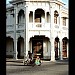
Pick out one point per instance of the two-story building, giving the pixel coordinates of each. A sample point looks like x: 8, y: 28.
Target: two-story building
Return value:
x: 33, y: 25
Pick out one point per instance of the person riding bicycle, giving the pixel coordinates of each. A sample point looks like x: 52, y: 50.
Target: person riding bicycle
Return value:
x: 29, y: 56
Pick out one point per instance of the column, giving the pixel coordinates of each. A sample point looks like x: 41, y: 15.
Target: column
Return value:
x: 61, y: 48
x: 45, y: 16
x: 27, y: 21
x: 25, y: 34
x: 60, y: 19
x: 15, y: 49
x: 67, y: 49
x: 52, y: 35
x: 33, y: 18
x: 52, y: 19
x: 52, y: 50
x: 58, y: 50
x: 15, y: 40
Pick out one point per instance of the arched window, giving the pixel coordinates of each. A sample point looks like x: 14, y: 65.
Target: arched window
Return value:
x: 64, y: 21
x: 48, y: 17
x: 39, y: 15
x: 21, y: 17
x: 31, y: 16
x: 55, y: 16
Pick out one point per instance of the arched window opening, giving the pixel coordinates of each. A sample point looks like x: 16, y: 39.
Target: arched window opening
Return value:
x: 31, y: 16
x: 56, y: 47
x: 48, y: 17
x: 39, y: 15
x: 64, y: 21
x: 55, y: 16
x: 21, y: 17
x: 65, y: 40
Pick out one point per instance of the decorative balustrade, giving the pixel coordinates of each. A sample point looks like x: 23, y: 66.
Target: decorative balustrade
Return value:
x: 33, y: 26
x: 9, y: 27
x: 37, y: 26
x: 56, y: 26
x: 18, y: 26
x: 64, y: 28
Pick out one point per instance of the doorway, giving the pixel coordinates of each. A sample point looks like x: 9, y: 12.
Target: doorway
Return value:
x: 57, y: 52
x: 18, y: 49
x: 37, y: 46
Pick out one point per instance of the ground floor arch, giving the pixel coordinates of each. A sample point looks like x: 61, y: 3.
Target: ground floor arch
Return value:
x: 40, y: 44
x: 9, y: 47
x: 20, y: 48
x: 65, y: 47
x: 56, y: 48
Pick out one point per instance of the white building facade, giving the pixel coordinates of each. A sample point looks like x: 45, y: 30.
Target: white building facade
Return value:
x: 33, y: 25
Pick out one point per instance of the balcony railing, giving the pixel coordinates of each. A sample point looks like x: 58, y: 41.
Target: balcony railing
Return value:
x: 9, y: 27
x: 20, y: 26
x: 56, y: 26
x: 37, y: 26
x: 64, y: 27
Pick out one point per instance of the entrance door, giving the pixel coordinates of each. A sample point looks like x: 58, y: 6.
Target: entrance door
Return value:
x: 37, y: 46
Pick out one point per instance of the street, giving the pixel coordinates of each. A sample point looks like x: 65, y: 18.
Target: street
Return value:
x: 46, y: 68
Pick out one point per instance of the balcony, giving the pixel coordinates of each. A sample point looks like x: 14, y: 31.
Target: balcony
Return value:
x: 31, y: 26
x: 19, y: 28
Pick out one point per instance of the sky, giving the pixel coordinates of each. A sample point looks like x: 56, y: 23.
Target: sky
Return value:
x: 65, y: 1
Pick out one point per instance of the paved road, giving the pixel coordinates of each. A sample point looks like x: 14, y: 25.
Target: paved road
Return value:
x: 47, y: 68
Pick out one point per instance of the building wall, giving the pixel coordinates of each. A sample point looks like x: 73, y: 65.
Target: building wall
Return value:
x: 58, y: 29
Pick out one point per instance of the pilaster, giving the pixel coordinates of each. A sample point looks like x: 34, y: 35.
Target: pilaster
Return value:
x: 15, y: 49
x: 52, y: 50
x: 60, y: 18
x: 67, y: 49
x: 52, y: 18
x: 27, y: 21
x: 45, y: 17
x: 52, y: 36
x: 33, y: 17
x: 61, y: 48
x: 15, y: 39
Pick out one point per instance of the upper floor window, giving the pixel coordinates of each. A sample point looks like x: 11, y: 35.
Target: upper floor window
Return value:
x: 39, y: 15
x: 55, y: 17
x: 21, y: 17
x: 31, y: 17
x: 64, y: 21
x: 48, y: 17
